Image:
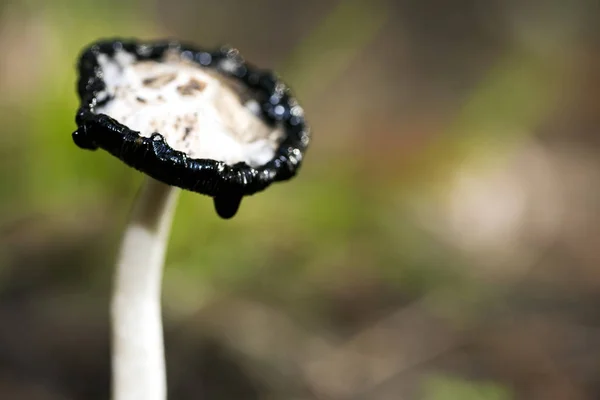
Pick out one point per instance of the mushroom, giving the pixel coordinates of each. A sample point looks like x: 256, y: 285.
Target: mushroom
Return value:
x: 204, y: 121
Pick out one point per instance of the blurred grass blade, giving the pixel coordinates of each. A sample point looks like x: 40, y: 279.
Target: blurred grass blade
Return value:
x: 330, y: 48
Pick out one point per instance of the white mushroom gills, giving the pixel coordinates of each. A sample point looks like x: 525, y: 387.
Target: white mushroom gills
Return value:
x: 198, y: 111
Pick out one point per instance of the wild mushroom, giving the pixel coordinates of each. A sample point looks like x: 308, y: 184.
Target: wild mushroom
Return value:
x: 198, y: 120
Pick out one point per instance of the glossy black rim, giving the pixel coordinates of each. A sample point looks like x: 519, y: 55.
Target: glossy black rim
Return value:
x: 227, y: 184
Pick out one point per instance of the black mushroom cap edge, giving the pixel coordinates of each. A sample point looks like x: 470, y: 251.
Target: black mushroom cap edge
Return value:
x: 227, y: 184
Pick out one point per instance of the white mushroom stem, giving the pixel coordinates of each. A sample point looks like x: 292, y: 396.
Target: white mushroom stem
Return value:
x: 138, y: 361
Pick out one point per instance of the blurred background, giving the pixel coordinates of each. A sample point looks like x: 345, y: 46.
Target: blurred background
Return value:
x: 442, y: 241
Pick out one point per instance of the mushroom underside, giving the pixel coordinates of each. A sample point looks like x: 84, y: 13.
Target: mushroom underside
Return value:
x: 196, y: 110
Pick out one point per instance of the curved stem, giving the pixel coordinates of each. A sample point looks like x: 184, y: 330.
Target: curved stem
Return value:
x: 138, y: 362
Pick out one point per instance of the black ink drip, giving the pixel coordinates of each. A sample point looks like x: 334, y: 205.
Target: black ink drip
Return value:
x: 227, y: 206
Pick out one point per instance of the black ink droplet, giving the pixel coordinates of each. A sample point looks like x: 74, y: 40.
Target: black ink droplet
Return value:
x: 227, y: 206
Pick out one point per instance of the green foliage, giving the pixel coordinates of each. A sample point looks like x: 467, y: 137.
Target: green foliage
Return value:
x: 451, y: 388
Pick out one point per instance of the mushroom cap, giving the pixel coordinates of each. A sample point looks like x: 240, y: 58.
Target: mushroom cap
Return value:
x: 126, y: 87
